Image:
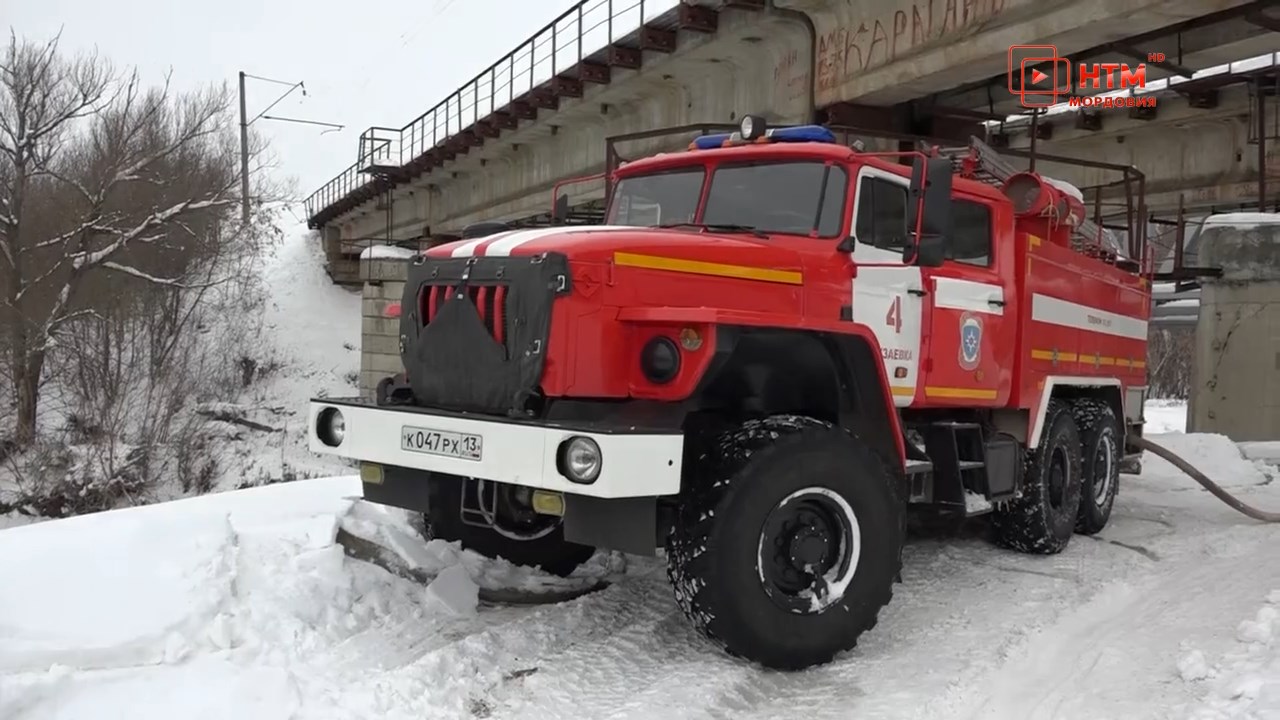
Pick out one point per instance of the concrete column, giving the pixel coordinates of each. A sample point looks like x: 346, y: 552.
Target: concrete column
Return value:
x: 1237, y: 361
x: 343, y: 269
x: 331, y: 238
x: 380, y: 335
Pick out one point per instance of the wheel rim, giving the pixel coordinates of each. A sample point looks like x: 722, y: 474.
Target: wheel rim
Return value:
x: 1059, y: 471
x: 512, y: 515
x: 808, y: 551
x: 1104, y: 463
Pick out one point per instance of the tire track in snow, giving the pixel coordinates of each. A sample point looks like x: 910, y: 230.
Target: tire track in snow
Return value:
x: 950, y: 622
x: 658, y: 667
x: 629, y: 669
x: 459, y: 676
x: 1083, y: 665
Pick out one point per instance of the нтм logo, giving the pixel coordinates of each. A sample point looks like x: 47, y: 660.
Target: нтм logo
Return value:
x: 1041, y: 78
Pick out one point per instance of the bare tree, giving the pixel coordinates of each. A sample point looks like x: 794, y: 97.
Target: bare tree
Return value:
x: 103, y: 185
x: 1170, y: 352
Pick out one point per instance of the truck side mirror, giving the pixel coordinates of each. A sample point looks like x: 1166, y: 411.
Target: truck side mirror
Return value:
x: 560, y: 210
x: 929, y: 206
x: 928, y: 251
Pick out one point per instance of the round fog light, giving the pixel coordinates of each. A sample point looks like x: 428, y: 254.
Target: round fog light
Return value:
x: 660, y: 360
x: 580, y: 460
x: 331, y: 428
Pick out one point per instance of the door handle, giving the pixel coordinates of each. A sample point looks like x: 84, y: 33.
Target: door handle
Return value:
x: 997, y: 303
x: 917, y: 293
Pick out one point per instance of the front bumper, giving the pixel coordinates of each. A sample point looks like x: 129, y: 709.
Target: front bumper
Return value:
x: 635, y: 463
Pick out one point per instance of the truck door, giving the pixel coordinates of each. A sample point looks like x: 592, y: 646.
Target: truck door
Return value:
x: 888, y: 296
x: 968, y: 327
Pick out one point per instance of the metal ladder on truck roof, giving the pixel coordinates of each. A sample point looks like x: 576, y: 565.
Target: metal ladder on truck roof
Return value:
x: 981, y: 162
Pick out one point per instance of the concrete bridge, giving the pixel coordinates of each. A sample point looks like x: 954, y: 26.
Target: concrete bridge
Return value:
x: 496, y: 147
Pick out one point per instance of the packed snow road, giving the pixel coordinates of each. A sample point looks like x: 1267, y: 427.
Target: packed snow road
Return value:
x: 243, y: 605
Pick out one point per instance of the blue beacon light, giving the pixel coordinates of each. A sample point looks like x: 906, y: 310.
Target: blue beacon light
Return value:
x: 751, y: 132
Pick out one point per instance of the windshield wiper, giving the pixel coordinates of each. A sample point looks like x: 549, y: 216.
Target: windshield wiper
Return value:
x: 718, y: 228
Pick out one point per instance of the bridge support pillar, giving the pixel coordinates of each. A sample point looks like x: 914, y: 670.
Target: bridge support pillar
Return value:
x: 1236, y: 390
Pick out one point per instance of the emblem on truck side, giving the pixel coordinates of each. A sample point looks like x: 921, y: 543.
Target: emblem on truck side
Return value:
x: 970, y: 341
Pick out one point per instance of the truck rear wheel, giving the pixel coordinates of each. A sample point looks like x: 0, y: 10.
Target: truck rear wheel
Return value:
x: 787, y: 543
x: 1100, y: 463
x: 1042, y: 519
x: 514, y: 532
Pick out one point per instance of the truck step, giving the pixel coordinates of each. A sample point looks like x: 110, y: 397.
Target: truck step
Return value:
x: 915, y: 467
x: 957, y: 459
x: 975, y: 504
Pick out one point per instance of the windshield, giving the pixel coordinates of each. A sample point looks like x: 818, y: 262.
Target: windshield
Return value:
x: 782, y: 197
x: 661, y: 199
x: 792, y: 197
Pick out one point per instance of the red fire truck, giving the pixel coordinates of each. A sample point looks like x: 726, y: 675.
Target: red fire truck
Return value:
x: 774, y: 348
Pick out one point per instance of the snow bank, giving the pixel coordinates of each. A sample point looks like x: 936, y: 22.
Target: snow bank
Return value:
x: 1262, y: 451
x: 240, y: 604
x: 1246, y: 681
x: 1216, y: 455
x: 387, y: 252
x: 136, y: 586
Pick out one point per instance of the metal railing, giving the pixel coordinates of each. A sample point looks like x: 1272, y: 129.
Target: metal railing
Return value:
x: 581, y: 31
x: 379, y: 147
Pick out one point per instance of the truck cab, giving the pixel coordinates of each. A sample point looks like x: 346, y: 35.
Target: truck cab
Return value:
x: 774, y: 347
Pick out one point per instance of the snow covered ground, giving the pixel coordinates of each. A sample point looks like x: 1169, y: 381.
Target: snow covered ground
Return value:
x: 242, y: 604
x: 1165, y: 416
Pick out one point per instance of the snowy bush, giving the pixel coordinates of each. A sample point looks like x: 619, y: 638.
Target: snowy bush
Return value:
x: 127, y: 281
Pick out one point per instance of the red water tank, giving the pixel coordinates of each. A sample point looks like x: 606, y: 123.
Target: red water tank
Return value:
x: 1033, y: 196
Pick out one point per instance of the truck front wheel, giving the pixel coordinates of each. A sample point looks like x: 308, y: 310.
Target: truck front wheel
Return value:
x: 788, y: 541
x: 506, y: 528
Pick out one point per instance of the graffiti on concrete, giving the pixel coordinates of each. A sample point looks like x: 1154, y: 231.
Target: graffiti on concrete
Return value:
x: 790, y: 78
x: 848, y: 49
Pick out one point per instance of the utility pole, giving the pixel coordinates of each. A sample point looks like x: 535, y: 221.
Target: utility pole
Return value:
x: 244, y: 156
x: 245, y: 122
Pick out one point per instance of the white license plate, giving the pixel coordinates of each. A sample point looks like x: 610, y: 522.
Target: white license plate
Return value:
x: 439, y: 442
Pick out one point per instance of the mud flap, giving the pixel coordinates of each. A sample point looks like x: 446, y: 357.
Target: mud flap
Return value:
x: 627, y: 525
x: 403, y: 488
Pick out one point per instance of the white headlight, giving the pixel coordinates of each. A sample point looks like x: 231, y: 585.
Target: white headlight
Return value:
x: 748, y: 124
x: 331, y: 428
x: 580, y: 460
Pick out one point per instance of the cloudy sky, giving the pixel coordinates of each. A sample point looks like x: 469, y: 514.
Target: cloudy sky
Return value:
x: 364, y: 63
